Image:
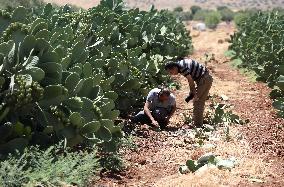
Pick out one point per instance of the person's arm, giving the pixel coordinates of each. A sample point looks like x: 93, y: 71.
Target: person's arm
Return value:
x: 148, y: 113
x: 192, y: 87
x: 191, y: 84
x: 174, y: 107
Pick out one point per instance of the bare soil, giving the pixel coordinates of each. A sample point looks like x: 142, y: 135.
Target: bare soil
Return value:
x: 258, y: 146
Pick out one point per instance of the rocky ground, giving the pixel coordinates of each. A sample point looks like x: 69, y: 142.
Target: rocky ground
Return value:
x: 258, y: 146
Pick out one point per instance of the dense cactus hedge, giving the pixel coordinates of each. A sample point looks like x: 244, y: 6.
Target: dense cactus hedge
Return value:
x: 67, y: 75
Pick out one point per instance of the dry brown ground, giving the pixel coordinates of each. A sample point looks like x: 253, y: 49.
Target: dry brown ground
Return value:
x: 186, y: 4
x: 260, y: 152
x: 80, y: 3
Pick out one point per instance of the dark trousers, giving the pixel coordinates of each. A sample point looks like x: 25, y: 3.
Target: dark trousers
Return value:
x: 159, y: 114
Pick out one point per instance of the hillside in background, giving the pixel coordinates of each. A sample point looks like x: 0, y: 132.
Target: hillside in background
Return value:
x: 186, y: 4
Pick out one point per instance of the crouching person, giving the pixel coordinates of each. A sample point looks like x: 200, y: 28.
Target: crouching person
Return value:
x: 159, y: 108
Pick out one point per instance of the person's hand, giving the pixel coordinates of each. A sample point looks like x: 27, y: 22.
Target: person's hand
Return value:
x: 155, y: 123
x: 190, y: 97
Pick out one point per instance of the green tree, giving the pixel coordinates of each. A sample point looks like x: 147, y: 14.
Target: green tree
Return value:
x: 178, y: 9
x: 185, y: 16
x: 226, y: 13
x: 201, y: 14
x: 241, y: 16
x: 219, y: 8
x: 212, y: 19
x: 194, y: 9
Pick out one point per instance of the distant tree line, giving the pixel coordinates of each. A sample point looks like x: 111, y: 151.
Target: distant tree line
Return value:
x: 212, y: 17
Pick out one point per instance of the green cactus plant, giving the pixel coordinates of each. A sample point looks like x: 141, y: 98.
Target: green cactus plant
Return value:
x: 5, y: 20
x: 259, y: 44
x: 79, y: 68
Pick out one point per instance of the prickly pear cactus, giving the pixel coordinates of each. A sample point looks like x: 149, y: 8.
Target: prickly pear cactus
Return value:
x: 67, y: 75
x: 259, y: 44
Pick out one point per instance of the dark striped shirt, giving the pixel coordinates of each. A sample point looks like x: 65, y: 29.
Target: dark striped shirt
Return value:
x: 192, y: 68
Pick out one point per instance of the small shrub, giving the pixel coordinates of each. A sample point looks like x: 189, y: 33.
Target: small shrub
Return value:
x: 195, y: 9
x: 219, y: 8
x: 186, y: 16
x: 212, y: 19
x: 226, y: 14
x: 200, y: 15
x: 187, y: 118
x: 112, y: 162
x: 178, y: 9
x: 52, y: 167
x: 241, y: 16
x: 220, y: 114
x: 220, y: 41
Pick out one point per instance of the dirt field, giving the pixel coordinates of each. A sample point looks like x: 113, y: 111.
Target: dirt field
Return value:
x: 258, y: 146
x: 186, y: 4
